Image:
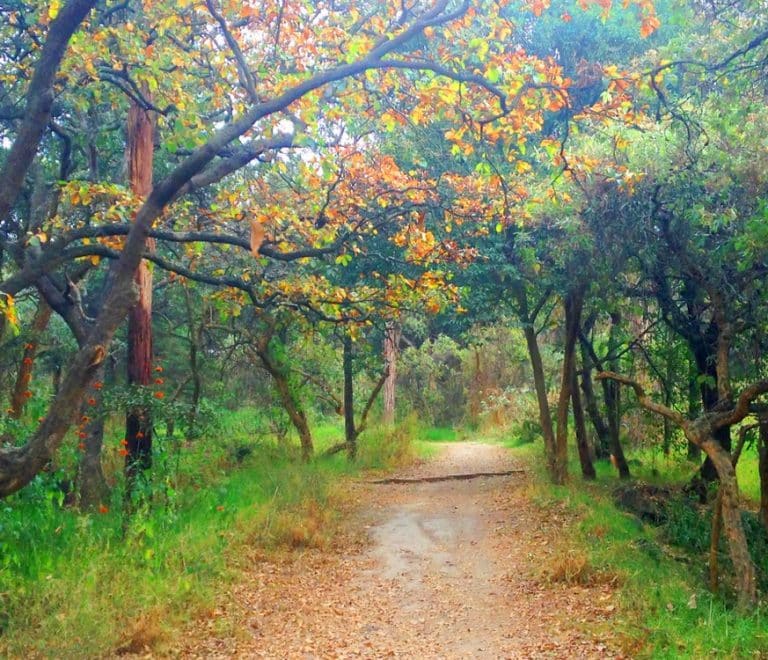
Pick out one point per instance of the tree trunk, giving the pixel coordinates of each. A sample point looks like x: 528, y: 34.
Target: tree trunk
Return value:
x: 138, y: 423
x: 350, y: 433
x: 762, y: 449
x: 91, y: 484
x: 585, y: 456
x: 288, y: 399
x: 21, y: 390
x: 573, y: 303
x: 602, y: 449
x: 732, y: 524
x: 391, y: 346
x: 694, y: 408
x: 612, y: 396
x: 195, y: 335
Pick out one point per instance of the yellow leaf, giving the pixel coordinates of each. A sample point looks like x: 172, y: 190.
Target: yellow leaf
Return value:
x: 53, y: 9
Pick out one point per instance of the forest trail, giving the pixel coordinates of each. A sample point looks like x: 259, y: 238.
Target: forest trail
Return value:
x: 448, y: 569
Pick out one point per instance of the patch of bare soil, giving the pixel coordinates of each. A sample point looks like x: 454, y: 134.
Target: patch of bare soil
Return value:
x: 448, y: 569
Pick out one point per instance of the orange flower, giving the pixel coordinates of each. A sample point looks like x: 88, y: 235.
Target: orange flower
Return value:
x: 219, y: 508
x: 28, y: 394
x: 124, y: 442
x: 29, y: 346
x: 159, y: 381
x: 123, y: 452
x: 91, y: 401
x: 139, y: 435
x: 159, y: 395
x: 85, y: 419
x: 98, y: 385
x: 159, y: 370
x: 81, y: 446
x: 27, y: 360
x: 9, y: 411
x: 103, y: 509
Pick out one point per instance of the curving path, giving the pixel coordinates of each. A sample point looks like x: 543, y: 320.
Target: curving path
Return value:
x: 446, y: 569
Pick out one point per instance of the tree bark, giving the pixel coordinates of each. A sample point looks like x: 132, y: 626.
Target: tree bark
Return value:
x: 732, y: 525
x: 694, y: 408
x: 585, y: 456
x: 391, y: 349
x: 21, y: 390
x: 195, y: 337
x: 138, y: 422
x: 350, y: 433
x: 702, y: 432
x: 602, y: 449
x: 539, y: 380
x: 288, y: 399
x: 91, y: 483
x: 573, y: 304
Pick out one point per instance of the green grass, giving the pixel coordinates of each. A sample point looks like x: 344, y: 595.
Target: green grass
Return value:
x: 74, y: 585
x: 665, y: 608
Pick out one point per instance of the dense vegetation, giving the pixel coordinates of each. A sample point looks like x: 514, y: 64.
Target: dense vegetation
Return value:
x: 238, y: 239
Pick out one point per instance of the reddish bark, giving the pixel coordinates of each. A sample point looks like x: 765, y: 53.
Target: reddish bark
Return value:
x: 138, y: 423
x: 24, y: 377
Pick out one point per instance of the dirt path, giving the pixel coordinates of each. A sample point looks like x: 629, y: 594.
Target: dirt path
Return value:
x: 443, y: 570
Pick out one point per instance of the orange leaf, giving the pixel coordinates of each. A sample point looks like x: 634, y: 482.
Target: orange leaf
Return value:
x: 257, y: 237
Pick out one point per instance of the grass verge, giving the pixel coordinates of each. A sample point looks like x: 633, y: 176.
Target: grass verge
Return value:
x: 665, y: 609
x: 78, y: 585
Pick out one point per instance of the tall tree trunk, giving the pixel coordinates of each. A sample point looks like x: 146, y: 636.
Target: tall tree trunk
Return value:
x: 585, y: 456
x: 391, y: 347
x: 288, y: 398
x: 350, y: 433
x: 539, y: 380
x: 612, y: 396
x: 573, y: 304
x: 21, y: 390
x: 743, y: 566
x: 91, y: 483
x: 138, y: 423
x: 694, y: 408
x: 706, y: 358
x: 195, y: 337
x: 602, y: 449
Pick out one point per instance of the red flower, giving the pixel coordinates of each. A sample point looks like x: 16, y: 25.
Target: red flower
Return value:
x: 27, y: 360
x: 103, y: 509
x: 98, y: 385
x: 91, y: 401
x: 82, y: 435
x: 159, y: 381
x: 159, y: 395
x: 123, y: 452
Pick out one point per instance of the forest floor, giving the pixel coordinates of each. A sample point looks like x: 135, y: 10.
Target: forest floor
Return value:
x: 447, y: 569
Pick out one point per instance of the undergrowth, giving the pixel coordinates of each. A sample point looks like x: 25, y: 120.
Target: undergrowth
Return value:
x: 665, y: 608
x: 82, y: 585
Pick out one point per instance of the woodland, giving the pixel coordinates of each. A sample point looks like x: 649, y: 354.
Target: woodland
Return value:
x: 251, y: 251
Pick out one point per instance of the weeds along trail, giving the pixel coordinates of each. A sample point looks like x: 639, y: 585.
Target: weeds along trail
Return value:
x: 449, y: 569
